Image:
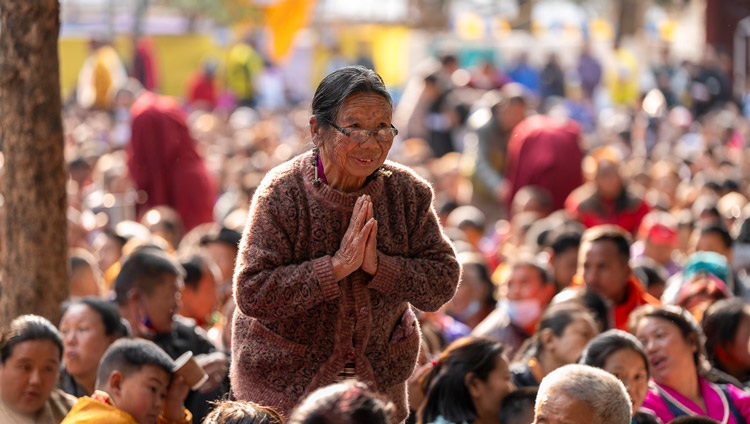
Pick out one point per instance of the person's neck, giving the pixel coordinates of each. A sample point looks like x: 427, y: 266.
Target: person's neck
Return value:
x: 547, y: 363
x: 624, y: 294
x: 487, y: 420
x: 339, y: 180
x: 687, y: 384
x: 87, y: 382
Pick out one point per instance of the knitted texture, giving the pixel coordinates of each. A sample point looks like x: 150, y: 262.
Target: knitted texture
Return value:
x: 295, y: 327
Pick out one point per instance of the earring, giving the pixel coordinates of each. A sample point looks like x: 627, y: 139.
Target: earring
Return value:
x: 315, y: 158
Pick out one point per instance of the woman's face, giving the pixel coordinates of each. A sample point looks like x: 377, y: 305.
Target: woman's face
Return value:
x: 344, y: 159
x: 567, y: 348
x: 608, y: 180
x: 668, y: 352
x: 738, y: 352
x: 28, y: 376
x: 84, y: 340
x: 629, y: 367
x: 488, y: 395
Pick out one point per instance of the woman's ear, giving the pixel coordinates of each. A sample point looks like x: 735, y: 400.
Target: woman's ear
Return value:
x: 314, y: 129
x: 472, y: 384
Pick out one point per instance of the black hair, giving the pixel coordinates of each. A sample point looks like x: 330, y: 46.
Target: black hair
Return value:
x: 612, y: 234
x: 242, y: 412
x: 28, y: 328
x: 128, y: 356
x: 720, y: 324
x: 107, y: 311
x: 342, y: 83
x: 565, y: 241
x: 477, y: 263
x: 517, y: 404
x: 601, y: 347
x: 144, y: 270
x: 716, y: 227
x: 194, y: 268
x: 556, y: 318
x: 348, y: 402
x: 447, y: 394
x: 680, y: 317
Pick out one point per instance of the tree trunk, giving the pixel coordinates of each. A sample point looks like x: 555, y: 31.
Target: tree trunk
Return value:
x: 34, y: 277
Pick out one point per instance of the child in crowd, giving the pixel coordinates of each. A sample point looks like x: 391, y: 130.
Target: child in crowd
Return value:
x: 134, y: 386
x: 235, y: 412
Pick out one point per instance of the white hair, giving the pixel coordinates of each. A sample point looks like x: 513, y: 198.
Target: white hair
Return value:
x: 601, y: 390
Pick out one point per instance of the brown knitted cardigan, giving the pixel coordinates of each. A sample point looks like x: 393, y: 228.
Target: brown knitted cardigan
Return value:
x: 295, y: 327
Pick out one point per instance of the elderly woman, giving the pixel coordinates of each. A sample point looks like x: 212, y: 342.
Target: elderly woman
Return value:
x: 30, y: 352
x: 339, y: 245
x: 673, y: 343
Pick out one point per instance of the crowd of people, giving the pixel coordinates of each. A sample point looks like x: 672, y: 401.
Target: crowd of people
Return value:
x: 502, y: 244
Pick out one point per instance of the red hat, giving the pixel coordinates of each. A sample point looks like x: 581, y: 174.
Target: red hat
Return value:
x: 662, y: 234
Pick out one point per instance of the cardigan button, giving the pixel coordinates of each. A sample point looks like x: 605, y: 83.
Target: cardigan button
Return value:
x: 350, y: 355
x: 364, y: 311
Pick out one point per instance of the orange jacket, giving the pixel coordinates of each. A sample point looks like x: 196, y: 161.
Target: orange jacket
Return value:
x: 636, y: 296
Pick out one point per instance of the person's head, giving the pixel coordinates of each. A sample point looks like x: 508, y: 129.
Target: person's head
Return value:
x: 467, y: 382
x: 622, y: 355
x: 532, y: 199
x: 476, y: 291
x: 726, y: 325
x: 108, y: 245
x: 603, y: 261
x: 147, y: 290
x: 348, y: 402
x: 602, y: 167
x: 200, y: 294
x: 164, y: 222
x: 658, y: 230
x: 518, y: 406
x: 561, y: 335
x: 85, y: 276
x: 583, y: 395
x: 672, y: 340
x: 512, y: 107
x: 30, y: 353
x: 653, y: 275
x: 88, y: 326
x: 706, y: 278
x: 237, y: 412
x: 136, y: 373
x: 351, y: 125
x: 528, y: 290
x: 470, y: 220
x: 713, y: 237
x: 221, y: 244
x: 563, y: 257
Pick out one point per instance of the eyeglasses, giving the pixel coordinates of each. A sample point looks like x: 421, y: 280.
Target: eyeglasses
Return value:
x: 361, y: 135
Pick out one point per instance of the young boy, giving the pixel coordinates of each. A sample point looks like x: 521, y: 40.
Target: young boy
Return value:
x: 134, y: 385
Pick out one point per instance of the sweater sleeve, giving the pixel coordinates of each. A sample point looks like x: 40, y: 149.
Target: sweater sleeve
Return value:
x: 267, y: 284
x: 428, y: 276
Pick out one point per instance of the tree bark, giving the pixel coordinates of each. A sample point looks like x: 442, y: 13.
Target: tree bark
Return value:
x: 33, y: 277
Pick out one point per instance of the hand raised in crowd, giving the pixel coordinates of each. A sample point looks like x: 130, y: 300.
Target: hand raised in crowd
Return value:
x: 358, y: 242
x: 173, y: 409
x: 216, y: 366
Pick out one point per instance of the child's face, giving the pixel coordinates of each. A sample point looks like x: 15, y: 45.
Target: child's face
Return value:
x: 142, y: 393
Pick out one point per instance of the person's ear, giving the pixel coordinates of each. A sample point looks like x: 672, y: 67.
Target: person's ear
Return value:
x: 547, y: 337
x: 472, y: 383
x: 114, y: 384
x: 314, y: 129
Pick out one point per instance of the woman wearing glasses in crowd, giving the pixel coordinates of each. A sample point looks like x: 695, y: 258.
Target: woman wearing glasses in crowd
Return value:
x: 339, y: 245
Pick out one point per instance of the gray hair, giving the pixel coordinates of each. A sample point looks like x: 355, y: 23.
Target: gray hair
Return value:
x: 342, y: 83
x: 598, y: 388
